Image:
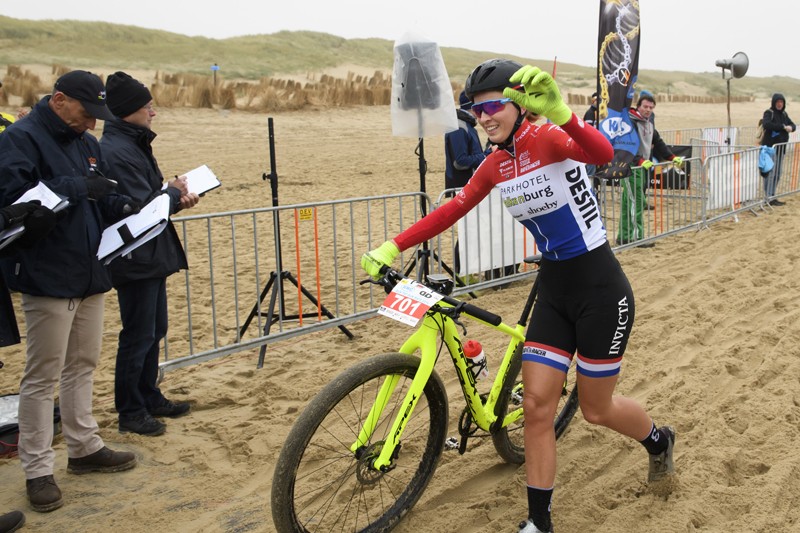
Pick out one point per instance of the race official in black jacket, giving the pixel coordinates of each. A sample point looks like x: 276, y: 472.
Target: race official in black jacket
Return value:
x: 61, y: 280
x: 141, y: 277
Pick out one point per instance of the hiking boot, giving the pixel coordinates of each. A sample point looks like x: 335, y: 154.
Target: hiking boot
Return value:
x: 170, y: 409
x: 44, y: 494
x: 11, y: 521
x: 661, y: 464
x: 103, y: 460
x: 529, y: 527
x: 143, y: 424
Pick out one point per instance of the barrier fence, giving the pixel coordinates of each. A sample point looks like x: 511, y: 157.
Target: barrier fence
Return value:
x: 263, y: 275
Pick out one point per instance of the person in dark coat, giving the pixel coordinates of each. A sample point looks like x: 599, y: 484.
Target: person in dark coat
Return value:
x: 462, y: 147
x: 777, y: 127
x: 140, y: 277
x: 62, y: 281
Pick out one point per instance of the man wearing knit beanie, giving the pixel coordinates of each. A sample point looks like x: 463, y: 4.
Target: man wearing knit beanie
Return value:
x: 125, y: 95
x: 141, y: 277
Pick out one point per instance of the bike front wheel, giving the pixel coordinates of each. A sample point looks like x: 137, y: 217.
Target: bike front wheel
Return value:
x: 509, y: 441
x: 319, y: 484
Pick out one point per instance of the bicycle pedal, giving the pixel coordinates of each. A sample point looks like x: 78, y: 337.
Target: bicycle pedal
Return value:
x: 451, y: 443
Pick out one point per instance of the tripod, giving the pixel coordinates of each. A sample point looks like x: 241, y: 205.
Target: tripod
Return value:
x: 274, y: 286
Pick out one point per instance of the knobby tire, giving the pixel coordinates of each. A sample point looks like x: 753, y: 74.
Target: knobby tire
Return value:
x: 320, y: 485
x: 510, y: 440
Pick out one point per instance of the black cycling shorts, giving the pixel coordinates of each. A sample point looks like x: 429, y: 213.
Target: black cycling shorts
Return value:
x: 585, y: 306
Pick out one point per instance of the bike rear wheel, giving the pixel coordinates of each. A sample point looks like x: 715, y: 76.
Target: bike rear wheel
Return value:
x: 510, y: 440
x: 320, y: 485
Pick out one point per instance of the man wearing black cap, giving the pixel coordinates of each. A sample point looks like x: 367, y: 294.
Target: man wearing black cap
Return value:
x: 61, y: 280
x: 141, y: 277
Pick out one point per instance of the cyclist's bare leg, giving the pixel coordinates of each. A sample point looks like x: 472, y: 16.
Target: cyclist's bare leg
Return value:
x: 542, y: 385
x: 600, y: 406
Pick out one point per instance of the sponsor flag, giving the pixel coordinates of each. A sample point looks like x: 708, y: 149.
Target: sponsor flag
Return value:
x: 617, y: 70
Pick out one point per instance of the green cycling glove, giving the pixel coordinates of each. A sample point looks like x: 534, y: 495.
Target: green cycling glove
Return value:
x: 647, y: 164
x: 374, y: 260
x: 677, y: 161
x: 541, y: 95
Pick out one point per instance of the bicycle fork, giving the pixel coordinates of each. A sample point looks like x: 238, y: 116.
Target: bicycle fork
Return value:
x: 423, y: 339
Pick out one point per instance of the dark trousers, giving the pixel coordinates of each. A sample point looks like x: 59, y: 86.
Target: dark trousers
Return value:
x: 9, y: 333
x: 143, y: 310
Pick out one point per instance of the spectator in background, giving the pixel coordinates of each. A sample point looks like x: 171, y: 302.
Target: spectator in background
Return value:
x: 777, y: 127
x: 462, y: 147
x: 631, y: 224
x: 590, y: 117
x: 141, y: 276
x: 648, y: 94
x: 61, y: 280
x: 463, y: 154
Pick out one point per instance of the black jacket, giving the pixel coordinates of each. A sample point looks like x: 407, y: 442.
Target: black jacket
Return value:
x: 64, y: 263
x: 128, y: 158
x: 9, y: 332
x: 774, y: 122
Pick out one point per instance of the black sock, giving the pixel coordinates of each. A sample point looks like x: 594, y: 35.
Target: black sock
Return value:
x: 539, y: 507
x: 656, y: 442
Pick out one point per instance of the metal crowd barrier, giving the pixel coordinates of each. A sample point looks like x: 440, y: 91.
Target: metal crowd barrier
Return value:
x: 262, y: 275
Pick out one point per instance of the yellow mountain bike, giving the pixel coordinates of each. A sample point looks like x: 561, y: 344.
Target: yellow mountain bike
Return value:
x: 364, y: 449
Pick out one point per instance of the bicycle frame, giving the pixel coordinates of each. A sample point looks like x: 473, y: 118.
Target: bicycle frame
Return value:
x: 424, y: 339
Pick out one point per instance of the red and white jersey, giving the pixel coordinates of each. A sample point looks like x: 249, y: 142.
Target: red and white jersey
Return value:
x: 544, y: 186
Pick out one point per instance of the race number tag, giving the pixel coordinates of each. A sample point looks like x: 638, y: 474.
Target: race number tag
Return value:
x: 408, y: 302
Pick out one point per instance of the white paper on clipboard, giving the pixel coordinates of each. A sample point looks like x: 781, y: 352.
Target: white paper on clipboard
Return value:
x: 45, y: 196
x: 199, y: 181
x: 140, y: 228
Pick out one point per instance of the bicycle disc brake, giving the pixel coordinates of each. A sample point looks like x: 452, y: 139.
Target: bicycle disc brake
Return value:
x: 366, y: 473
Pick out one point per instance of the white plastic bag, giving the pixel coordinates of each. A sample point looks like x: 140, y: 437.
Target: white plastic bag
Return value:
x: 422, y: 98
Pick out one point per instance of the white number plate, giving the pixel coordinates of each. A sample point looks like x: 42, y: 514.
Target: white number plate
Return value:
x: 408, y: 302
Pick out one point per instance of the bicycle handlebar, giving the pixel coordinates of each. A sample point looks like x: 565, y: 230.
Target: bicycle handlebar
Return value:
x: 392, y: 277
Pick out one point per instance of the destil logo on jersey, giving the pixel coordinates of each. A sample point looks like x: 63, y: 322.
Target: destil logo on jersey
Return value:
x: 582, y: 196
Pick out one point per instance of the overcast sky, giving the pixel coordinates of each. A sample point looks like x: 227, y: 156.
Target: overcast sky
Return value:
x: 687, y: 35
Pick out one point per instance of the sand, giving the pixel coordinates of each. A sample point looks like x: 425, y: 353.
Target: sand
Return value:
x: 714, y: 353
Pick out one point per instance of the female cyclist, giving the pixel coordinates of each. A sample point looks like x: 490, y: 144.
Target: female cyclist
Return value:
x: 585, y: 306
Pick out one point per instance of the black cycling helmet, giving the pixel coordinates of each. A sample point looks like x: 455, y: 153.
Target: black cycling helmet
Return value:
x: 491, y: 75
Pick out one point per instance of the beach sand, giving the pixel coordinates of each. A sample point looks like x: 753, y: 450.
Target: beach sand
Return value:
x: 714, y: 353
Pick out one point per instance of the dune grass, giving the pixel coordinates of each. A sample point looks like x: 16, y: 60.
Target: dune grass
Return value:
x: 114, y: 46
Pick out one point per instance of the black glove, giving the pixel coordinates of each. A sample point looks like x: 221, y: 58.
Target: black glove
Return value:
x: 37, y: 225
x: 16, y: 213
x: 97, y: 187
x: 130, y: 208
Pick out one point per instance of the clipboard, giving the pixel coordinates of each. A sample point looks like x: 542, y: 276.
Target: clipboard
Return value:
x: 133, y: 231
x: 45, y: 196
x: 199, y: 181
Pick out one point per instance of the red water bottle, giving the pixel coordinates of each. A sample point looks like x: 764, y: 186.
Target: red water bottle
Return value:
x: 476, y: 359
